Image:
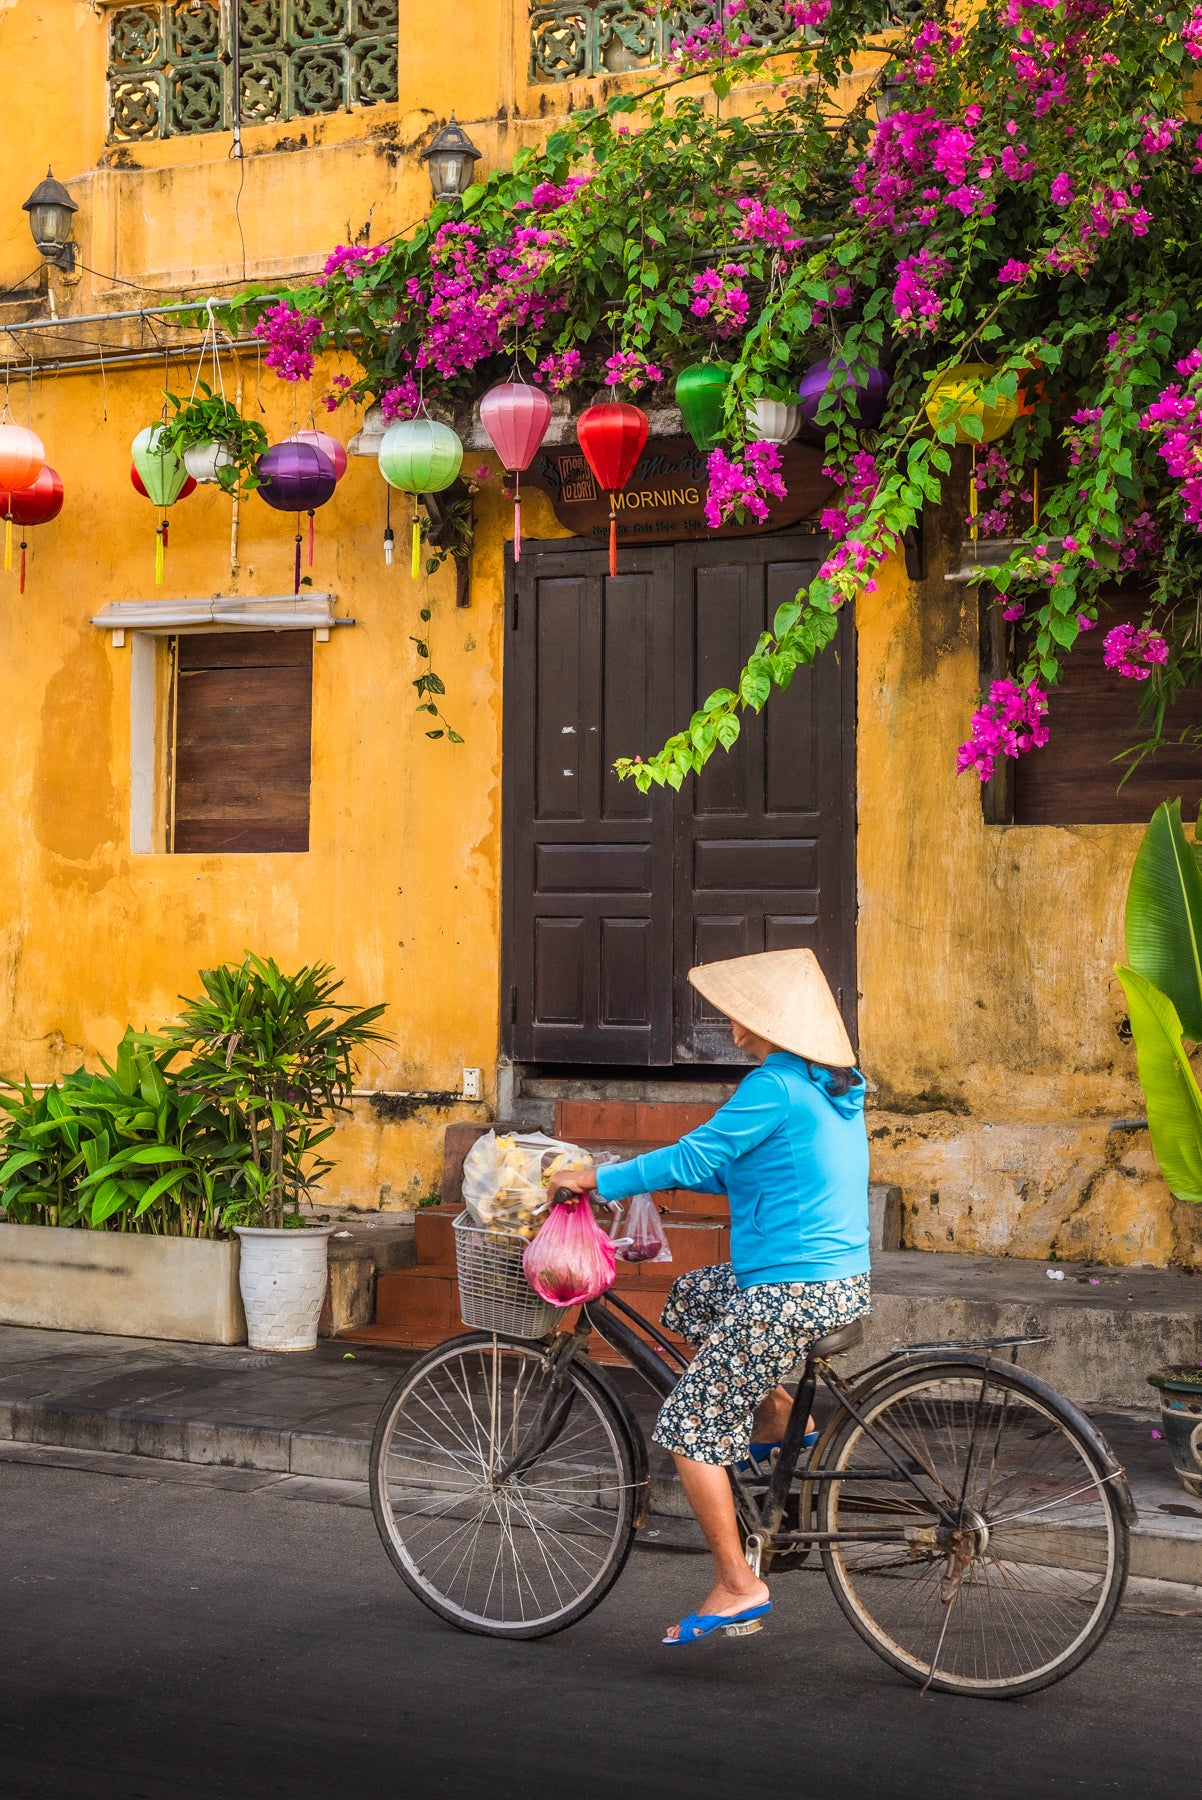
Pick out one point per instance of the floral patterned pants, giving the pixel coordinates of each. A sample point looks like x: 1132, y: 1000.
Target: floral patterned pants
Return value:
x: 750, y: 1339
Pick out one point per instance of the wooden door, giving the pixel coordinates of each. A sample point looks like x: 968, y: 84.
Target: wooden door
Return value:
x: 612, y: 895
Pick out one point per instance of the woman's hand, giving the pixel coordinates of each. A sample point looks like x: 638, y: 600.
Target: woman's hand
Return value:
x: 577, y: 1181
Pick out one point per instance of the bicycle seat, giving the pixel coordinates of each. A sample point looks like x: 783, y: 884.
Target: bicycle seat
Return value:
x: 835, y: 1343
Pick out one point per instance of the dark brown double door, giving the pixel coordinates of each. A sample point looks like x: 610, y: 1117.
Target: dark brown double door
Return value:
x: 611, y: 895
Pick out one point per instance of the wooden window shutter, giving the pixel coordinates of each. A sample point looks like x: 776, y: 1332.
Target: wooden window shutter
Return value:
x: 1093, y: 715
x: 242, y: 741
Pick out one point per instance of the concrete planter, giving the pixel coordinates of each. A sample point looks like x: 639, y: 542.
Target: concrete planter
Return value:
x: 1181, y: 1416
x: 119, y: 1282
x: 283, y: 1282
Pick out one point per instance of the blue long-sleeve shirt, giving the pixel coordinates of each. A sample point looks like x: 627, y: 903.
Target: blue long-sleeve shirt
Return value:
x: 792, y: 1159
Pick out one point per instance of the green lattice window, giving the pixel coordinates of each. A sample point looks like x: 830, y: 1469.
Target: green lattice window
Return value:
x: 605, y: 37
x: 170, y: 67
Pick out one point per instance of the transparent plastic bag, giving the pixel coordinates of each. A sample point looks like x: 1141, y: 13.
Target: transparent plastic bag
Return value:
x: 645, y: 1239
x: 571, y: 1259
x: 508, y: 1180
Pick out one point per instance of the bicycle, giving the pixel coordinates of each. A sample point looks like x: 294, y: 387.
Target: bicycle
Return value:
x: 971, y: 1522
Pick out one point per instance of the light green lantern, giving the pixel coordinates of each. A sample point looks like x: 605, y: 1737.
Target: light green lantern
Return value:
x: 419, y: 456
x: 163, y: 476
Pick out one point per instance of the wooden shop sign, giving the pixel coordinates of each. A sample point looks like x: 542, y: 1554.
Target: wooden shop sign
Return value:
x: 665, y: 497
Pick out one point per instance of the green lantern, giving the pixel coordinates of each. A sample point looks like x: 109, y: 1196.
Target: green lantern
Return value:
x: 163, y: 477
x: 419, y: 456
x: 701, y: 395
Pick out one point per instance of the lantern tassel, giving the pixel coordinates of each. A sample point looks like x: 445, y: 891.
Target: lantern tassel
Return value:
x: 613, y: 537
x: 158, y: 556
x: 973, y: 502
x: 297, y: 566
x: 166, y: 529
x: 415, y: 560
x: 8, y: 544
x: 310, y: 537
x: 21, y: 589
x: 517, y: 525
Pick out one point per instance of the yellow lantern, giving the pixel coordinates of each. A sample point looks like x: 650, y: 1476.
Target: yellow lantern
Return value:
x: 964, y: 385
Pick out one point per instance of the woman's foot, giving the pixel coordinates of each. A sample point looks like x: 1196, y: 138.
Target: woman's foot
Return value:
x: 728, y: 1602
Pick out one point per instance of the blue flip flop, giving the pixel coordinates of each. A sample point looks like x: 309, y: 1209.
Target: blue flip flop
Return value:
x: 759, y: 1453
x: 700, y: 1625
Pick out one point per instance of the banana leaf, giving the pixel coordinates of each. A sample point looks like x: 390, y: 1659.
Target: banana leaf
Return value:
x: 1173, y: 1097
x: 1164, y: 917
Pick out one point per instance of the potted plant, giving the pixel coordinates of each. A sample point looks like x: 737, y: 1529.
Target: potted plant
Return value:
x: 1163, y: 985
x: 274, y: 1053
x: 215, y: 442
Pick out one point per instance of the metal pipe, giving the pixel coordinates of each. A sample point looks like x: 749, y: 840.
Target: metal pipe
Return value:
x: 121, y: 359
x: 136, y: 312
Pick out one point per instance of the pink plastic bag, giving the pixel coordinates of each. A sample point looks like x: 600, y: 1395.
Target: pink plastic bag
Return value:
x: 571, y: 1259
x: 645, y: 1240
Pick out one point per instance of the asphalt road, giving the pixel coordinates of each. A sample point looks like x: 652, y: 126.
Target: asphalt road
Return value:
x: 179, y: 1641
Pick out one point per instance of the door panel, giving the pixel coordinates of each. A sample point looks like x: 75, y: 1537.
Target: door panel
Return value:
x: 612, y: 895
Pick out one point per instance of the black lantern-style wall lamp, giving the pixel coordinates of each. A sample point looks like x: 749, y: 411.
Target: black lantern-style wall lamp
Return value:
x: 450, y: 160
x: 51, y: 217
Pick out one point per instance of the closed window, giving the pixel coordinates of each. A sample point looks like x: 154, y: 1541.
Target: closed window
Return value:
x: 240, y: 741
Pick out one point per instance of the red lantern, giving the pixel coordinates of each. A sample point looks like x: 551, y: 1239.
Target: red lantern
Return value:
x: 36, y: 504
x: 612, y: 435
x: 516, y: 417
x: 22, y: 456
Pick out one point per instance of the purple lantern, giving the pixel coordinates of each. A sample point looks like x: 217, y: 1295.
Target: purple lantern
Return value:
x: 870, y: 392
x: 296, y: 477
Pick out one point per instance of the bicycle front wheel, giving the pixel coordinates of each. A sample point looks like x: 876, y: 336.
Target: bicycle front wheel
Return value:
x: 506, y: 1503
x: 1022, y: 1585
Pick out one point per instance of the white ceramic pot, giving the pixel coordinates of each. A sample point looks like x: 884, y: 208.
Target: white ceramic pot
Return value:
x: 771, y: 422
x: 202, y: 461
x: 282, y: 1276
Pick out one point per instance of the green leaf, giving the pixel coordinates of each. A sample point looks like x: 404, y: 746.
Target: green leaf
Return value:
x: 1170, y: 1089
x: 1164, y: 916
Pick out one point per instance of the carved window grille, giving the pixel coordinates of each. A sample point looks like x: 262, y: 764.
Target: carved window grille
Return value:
x: 570, y: 42
x: 170, y: 66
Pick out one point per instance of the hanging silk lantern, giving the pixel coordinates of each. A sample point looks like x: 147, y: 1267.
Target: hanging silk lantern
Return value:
x: 36, y: 504
x: 419, y: 456
x: 163, y: 478
x: 139, y: 486
x: 515, y: 416
x: 612, y: 435
x: 22, y: 455
x: 296, y: 477
x: 329, y: 446
x: 865, y: 400
x: 771, y: 422
x: 964, y: 386
x: 701, y: 397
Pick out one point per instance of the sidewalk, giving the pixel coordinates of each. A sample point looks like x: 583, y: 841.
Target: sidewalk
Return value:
x: 312, y: 1416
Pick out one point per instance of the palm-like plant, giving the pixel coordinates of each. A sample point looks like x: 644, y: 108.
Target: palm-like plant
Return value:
x: 1163, y: 984
x: 275, y: 1053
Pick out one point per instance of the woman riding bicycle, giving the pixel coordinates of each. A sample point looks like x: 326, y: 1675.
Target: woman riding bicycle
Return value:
x: 790, y: 1151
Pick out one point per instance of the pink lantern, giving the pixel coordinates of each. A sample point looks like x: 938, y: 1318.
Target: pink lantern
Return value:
x: 516, y: 417
x: 329, y: 446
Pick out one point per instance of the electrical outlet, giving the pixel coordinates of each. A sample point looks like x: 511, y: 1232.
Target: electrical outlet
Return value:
x: 471, y: 1083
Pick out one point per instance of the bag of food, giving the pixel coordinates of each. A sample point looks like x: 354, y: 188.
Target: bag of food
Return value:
x: 645, y: 1239
x: 508, y: 1181
x: 571, y: 1259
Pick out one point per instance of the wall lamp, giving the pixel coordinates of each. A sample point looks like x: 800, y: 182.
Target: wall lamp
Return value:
x: 449, y: 161
x: 51, y: 216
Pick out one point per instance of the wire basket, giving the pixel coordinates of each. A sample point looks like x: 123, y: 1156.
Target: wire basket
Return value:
x: 494, y: 1294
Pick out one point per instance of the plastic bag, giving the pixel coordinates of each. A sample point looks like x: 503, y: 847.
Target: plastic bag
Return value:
x: 645, y: 1239
x: 571, y: 1259
x: 508, y: 1180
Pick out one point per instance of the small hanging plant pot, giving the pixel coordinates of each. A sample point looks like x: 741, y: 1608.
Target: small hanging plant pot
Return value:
x: 772, y: 422
x: 204, y: 462
x: 866, y: 404
x: 701, y: 397
x: 612, y: 436
x: 296, y: 478
x: 964, y: 386
x: 419, y: 456
x: 163, y: 478
x: 36, y: 504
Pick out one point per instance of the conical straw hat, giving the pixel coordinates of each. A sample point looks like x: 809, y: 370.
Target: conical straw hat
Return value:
x: 781, y: 995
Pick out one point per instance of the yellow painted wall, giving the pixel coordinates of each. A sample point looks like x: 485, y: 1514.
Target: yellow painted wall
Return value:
x: 988, y: 1013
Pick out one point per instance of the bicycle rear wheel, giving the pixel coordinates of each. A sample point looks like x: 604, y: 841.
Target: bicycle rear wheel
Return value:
x: 1025, y: 1585
x: 508, y: 1551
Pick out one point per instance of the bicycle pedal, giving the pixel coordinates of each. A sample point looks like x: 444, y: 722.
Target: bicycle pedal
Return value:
x: 744, y: 1630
